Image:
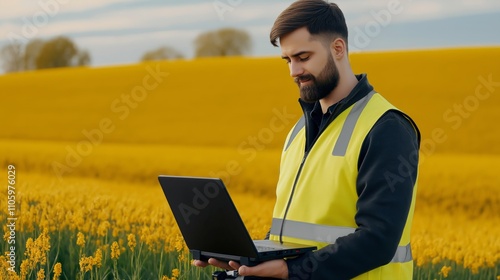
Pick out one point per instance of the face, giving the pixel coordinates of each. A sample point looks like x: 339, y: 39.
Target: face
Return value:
x: 311, y: 64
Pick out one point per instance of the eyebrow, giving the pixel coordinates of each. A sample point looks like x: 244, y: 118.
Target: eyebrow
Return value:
x: 295, y: 55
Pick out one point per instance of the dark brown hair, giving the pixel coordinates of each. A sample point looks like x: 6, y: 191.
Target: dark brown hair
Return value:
x: 320, y: 17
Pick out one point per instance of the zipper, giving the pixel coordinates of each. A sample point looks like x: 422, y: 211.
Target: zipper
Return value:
x: 302, y: 165
x: 291, y: 195
x: 333, y: 116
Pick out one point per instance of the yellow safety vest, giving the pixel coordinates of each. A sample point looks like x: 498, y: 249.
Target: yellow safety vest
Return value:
x: 323, y: 207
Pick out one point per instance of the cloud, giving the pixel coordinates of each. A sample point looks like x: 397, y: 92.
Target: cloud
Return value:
x: 427, y: 9
x: 204, y: 14
x: 360, y: 12
x: 249, y: 11
x: 6, y: 28
x: 29, y: 8
x: 120, y: 21
x: 164, y: 36
x: 128, y: 48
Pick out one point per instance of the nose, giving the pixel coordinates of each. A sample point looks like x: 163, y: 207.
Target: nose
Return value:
x: 295, y: 69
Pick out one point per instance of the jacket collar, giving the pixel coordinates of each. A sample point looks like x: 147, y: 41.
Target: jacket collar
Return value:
x: 361, y: 89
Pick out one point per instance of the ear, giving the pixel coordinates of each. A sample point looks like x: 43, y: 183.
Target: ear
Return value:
x: 338, y: 48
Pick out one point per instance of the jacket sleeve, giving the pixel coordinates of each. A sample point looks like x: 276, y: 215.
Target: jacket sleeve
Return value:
x: 387, y: 171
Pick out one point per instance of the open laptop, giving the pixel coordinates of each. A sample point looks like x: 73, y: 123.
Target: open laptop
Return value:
x: 212, y: 227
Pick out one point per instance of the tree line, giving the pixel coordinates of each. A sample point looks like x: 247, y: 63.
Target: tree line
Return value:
x: 40, y: 54
x: 61, y: 51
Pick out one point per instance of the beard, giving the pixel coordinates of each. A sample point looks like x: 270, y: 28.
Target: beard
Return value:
x: 321, y: 86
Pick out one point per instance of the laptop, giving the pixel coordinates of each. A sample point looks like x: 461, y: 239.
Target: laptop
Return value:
x: 212, y: 227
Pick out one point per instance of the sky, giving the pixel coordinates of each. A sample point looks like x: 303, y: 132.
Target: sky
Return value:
x: 117, y: 32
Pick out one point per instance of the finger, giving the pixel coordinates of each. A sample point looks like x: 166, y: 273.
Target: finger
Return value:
x: 275, y: 269
x: 219, y: 264
x: 249, y: 271
x: 199, y: 263
x: 234, y: 265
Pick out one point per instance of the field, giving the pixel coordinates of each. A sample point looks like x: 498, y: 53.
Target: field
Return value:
x: 84, y: 147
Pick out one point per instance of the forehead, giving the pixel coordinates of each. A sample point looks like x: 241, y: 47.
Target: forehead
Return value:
x: 297, y: 41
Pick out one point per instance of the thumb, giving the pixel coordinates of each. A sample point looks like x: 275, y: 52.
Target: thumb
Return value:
x: 245, y: 270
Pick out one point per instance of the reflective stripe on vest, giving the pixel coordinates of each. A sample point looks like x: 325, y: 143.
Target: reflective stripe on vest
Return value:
x: 347, y: 130
x: 329, y: 234
x: 300, y: 124
x: 349, y: 124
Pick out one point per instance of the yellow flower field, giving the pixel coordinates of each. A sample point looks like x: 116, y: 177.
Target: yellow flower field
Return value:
x: 86, y: 146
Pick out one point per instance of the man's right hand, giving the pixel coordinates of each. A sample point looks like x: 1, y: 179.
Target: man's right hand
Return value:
x: 232, y: 265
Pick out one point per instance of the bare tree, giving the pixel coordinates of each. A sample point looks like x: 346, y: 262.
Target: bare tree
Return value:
x: 12, y: 57
x: 83, y: 58
x: 223, y: 42
x: 31, y: 52
x: 162, y: 53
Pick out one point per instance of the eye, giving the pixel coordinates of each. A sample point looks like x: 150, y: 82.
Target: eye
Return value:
x: 304, y: 58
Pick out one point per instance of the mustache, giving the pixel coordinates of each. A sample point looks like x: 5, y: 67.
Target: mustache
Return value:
x: 303, y: 78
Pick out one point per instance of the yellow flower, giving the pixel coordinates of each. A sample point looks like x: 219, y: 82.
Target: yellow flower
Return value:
x: 40, y: 275
x: 3, y: 264
x: 44, y: 240
x: 131, y: 241
x: 5, y: 270
x: 86, y: 264
x: 97, y: 259
x: 37, y: 250
x: 24, y: 268
x: 29, y: 246
x: 445, y: 270
x: 102, y: 229
x: 175, y: 272
x: 179, y: 243
x: 6, y: 235
x: 42, y: 247
x: 436, y: 260
x: 80, y: 239
x: 181, y: 257
x: 115, y: 250
x: 57, y: 271
x: 116, y: 231
x: 12, y: 275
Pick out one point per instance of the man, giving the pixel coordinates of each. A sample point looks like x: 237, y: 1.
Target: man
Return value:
x: 349, y: 166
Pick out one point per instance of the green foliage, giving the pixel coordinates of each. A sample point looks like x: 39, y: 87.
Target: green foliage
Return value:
x: 39, y: 54
x: 59, y: 52
x: 162, y: 53
x: 223, y: 42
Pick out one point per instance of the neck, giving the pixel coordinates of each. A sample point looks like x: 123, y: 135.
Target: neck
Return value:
x: 343, y: 88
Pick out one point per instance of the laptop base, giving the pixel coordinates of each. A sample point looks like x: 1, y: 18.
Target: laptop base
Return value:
x: 198, y: 255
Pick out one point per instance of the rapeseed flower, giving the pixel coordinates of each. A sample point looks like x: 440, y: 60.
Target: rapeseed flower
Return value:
x: 115, y: 250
